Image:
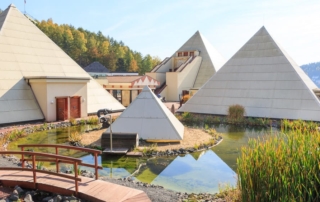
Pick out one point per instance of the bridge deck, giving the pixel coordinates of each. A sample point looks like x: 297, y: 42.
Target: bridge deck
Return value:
x: 89, y: 189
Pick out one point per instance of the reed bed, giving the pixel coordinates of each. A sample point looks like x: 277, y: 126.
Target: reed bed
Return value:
x: 282, y: 167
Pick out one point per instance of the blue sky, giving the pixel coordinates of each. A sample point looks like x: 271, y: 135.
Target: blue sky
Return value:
x: 160, y: 27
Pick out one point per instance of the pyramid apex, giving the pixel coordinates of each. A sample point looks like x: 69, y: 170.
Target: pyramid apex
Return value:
x: 12, y: 5
x: 145, y: 89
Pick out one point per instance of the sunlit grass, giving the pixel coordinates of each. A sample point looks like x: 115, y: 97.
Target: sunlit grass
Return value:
x: 284, y: 167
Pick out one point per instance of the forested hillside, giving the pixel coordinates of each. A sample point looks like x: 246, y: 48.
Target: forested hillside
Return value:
x: 313, y: 71
x: 86, y: 47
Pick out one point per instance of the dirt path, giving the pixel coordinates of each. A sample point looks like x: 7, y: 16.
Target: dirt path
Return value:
x: 192, y: 137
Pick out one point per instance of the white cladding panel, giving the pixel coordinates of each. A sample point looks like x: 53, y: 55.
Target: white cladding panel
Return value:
x: 212, y: 60
x: 262, y: 78
x: 150, y: 118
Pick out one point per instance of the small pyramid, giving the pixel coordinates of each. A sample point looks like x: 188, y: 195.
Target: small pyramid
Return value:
x: 150, y: 118
x: 25, y: 51
x: 212, y: 60
x: 264, y: 79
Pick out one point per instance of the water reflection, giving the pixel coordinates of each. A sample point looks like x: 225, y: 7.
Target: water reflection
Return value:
x: 196, y: 172
x: 187, y: 174
x: 234, y: 138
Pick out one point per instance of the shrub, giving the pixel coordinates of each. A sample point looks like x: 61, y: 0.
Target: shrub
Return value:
x: 82, y: 122
x: 185, y: 98
x: 282, y: 167
x: 236, y: 113
x: 93, y: 120
x: 15, y: 134
x: 73, y: 121
x: 74, y: 137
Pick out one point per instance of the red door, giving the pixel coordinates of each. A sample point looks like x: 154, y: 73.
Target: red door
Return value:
x: 75, y: 107
x: 62, y: 109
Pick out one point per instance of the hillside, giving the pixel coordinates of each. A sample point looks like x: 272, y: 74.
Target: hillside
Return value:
x: 313, y: 71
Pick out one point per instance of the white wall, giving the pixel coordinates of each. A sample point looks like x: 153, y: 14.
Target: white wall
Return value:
x: 187, y: 77
x: 69, y: 89
x: 46, y: 93
x: 178, y: 81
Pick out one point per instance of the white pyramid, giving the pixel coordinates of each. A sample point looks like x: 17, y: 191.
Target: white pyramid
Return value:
x: 150, y: 118
x: 25, y: 51
x: 262, y: 78
x: 212, y: 60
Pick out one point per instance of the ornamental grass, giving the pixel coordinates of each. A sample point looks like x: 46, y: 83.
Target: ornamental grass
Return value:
x: 282, y: 167
x: 236, y: 114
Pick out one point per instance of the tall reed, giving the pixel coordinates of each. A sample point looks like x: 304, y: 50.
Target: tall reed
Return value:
x: 282, y: 167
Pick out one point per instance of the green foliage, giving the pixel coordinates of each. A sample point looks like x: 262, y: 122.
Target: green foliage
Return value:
x: 73, y: 121
x: 304, y: 126
x: 150, y: 149
x: 39, y: 165
x: 86, y: 47
x: 74, y: 137
x: 82, y: 122
x: 282, y: 167
x: 236, y: 113
x: 92, y: 120
x: 15, y: 134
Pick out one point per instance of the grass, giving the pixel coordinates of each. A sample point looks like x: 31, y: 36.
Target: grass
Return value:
x: 39, y: 165
x: 73, y: 121
x: 74, y: 137
x: 93, y: 120
x: 283, y: 167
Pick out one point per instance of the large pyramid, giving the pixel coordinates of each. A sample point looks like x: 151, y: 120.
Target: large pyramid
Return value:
x: 264, y: 79
x: 212, y: 60
x: 25, y: 51
x: 150, y: 118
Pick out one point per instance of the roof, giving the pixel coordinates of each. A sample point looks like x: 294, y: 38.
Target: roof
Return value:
x: 150, y: 118
x: 25, y: 51
x: 212, y: 60
x: 122, y: 79
x: 96, y: 67
x: 134, y: 80
x: 264, y: 79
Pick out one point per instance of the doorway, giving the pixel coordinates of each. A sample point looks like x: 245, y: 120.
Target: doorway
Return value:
x: 75, y: 107
x: 62, y: 109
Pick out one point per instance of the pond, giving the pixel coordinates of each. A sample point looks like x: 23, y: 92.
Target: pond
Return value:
x: 193, y: 173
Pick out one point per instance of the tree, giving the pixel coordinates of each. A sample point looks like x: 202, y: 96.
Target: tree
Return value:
x: 86, y: 47
x: 121, y: 65
x: 110, y: 61
x: 146, y: 65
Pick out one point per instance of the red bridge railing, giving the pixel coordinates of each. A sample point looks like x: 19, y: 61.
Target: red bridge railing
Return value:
x: 74, y: 161
x: 57, y: 161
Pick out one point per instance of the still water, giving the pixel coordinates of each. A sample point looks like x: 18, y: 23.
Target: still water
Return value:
x: 193, y: 173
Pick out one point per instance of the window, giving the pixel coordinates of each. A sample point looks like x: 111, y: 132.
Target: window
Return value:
x: 191, y: 53
x: 185, y: 53
x: 179, y: 54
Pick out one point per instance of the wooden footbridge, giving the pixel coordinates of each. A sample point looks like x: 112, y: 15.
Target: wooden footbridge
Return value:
x: 57, y: 182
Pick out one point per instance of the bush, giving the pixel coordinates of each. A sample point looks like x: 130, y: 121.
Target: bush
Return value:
x: 283, y: 167
x: 185, y: 98
x: 74, y: 137
x: 73, y: 121
x: 93, y: 120
x: 236, y: 113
